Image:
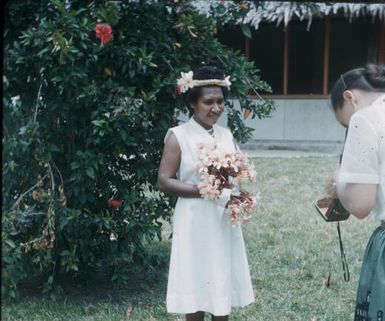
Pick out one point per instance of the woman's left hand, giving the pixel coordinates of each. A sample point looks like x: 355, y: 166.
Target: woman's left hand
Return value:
x: 330, y: 183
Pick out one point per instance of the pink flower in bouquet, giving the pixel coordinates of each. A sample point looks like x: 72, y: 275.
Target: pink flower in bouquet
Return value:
x: 241, y: 207
x: 222, y: 162
x: 247, y: 173
x: 104, y: 33
x: 209, y: 187
x: 239, y: 160
x: 219, y: 170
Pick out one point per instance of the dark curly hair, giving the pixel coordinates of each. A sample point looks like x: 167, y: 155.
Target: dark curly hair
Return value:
x: 203, y: 73
x: 370, y: 79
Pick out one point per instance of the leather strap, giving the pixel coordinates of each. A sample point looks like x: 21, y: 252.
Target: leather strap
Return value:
x: 345, y: 267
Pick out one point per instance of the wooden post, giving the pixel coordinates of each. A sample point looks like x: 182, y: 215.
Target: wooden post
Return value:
x: 325, y: 76
x: 381, y: 43
x: 286, y: 61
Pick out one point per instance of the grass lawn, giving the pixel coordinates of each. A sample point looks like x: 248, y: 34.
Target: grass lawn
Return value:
x: 291, y: 251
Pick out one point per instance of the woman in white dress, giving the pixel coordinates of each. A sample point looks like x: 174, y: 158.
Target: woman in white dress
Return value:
x: 358, y: 99
x: 208, y: 267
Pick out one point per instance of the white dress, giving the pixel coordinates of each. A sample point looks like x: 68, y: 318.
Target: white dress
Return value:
x: 208, y: 266
x: 363, y: 159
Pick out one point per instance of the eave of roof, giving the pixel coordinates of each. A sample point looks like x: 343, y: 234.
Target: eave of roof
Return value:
x: 252, y: 13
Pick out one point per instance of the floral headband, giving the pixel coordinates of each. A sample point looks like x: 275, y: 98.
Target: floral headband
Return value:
x: 186, y: 81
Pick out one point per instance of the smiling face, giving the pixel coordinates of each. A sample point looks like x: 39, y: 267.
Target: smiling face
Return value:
x: 209, y: 106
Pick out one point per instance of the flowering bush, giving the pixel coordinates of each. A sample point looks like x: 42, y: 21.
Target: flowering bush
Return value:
x: 221, y: 170
x: 84, y: 124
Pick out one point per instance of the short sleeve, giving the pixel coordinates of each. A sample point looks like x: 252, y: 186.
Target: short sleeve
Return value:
x: 360, y: 161
x: 169, y: 131
x: 178, y: 135
x: 174, y: 131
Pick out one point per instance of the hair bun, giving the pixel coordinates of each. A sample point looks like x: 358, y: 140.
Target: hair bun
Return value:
x: 375, y: 75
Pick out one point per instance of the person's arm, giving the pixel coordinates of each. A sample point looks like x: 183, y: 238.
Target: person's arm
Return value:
x: 358, y: 175
x: 169, y: 165
x: 358, y: 199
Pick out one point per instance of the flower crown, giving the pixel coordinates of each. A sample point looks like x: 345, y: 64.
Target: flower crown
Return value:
x: 186, y: 81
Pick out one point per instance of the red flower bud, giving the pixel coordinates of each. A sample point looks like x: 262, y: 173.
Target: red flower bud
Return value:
x: 115, y: 203
x: 104, y: 33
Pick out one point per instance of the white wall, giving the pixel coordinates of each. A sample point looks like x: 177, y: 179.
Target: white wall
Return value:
x: 299, y: 119
x: 307, y: 124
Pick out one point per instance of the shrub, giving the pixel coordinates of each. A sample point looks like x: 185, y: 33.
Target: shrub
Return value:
x: 84, y: 122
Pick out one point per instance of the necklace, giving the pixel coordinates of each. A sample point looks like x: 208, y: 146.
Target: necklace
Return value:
x: 210, y: 131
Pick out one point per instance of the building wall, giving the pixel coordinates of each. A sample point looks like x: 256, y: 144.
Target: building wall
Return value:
x: 296, y: 124
x: 304, y: 124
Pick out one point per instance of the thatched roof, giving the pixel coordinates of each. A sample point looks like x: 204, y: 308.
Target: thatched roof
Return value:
x: 253, y: 13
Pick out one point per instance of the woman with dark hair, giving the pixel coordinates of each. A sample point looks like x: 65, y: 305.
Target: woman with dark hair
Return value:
x: 358, y: 100
x: 208, y: 267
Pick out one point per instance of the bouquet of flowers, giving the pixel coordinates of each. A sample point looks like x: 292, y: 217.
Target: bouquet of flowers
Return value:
x: 220, y: 171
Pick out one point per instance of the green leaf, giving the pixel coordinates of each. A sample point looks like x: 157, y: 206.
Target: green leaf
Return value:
x: 246, y: 31
x: 75, y: 165
x: 63, y: 222
x: 10, y: 243
x: 90, y: 172
x: 65, y: 253
x: 99, y: 123
x: 53, y: 148
x: 123, y: 134
x: 22, y: 130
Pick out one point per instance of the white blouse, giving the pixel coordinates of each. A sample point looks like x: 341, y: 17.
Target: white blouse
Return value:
x: 363, y: 160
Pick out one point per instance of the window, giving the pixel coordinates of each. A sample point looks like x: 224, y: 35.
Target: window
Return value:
x: 305, y: 59
x: 266, y: 50
x: 351, y: 45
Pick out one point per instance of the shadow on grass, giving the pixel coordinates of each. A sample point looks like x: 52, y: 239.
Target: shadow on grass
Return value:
x: 97, y: 287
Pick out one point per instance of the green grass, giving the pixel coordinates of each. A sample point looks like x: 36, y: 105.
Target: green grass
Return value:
x: 291, y: 251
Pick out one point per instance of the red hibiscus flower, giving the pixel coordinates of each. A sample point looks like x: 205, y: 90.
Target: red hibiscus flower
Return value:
x: 104, y: 33
x: 115, y: 203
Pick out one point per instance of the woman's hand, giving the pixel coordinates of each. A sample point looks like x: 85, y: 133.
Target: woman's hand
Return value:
x: 330, y: 183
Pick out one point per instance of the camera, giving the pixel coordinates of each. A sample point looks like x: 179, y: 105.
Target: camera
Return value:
x: 331, y: 209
